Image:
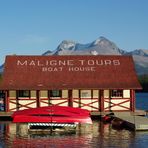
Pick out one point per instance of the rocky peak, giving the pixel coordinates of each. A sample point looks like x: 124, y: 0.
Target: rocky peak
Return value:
x: 67, y: 45
x: 140, y: 52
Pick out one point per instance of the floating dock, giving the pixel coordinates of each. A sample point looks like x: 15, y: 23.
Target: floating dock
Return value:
x: 133, y: 121
x: 51, y: 127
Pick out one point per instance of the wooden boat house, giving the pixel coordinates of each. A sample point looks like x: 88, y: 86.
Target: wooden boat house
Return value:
x: 97, y: 83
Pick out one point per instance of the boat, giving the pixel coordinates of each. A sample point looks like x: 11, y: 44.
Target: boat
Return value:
x: 108, y: 118
x: 52, y: 115
x: 117, y: 123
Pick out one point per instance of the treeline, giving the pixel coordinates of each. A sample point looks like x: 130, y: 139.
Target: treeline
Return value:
x: 143, y: 79
x: 0, y: 77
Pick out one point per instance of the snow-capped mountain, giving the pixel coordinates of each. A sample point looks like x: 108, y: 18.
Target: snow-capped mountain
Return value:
x: 140, y: 57
x: 101, y: 46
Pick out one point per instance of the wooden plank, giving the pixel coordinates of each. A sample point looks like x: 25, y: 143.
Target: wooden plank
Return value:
x: 137, y: 122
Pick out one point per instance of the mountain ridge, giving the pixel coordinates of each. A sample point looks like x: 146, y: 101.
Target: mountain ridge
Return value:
x: 100, y: 46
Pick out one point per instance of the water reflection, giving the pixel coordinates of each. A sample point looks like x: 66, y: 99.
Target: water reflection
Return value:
x: 97, y: 135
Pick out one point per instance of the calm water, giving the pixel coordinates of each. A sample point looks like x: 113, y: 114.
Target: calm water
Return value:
x: 142, y: 101
x: 98, y: 135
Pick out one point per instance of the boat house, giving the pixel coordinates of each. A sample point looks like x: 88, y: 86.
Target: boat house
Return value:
x: 97, y: 83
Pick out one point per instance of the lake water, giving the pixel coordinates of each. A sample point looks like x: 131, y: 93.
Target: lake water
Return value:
x: 97, y: 135
x: 142, y: 101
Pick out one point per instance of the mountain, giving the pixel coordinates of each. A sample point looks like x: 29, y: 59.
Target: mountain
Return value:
x: 140, y: 57
x: 102, y: 46
x: 1, y: 68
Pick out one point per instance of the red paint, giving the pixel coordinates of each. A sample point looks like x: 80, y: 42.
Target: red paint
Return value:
x: 117, y: 104
x: 56, y: 114
x: 101, y: 72
x: 106, y: 76
x: 70, y: 98
x: 132, y: 100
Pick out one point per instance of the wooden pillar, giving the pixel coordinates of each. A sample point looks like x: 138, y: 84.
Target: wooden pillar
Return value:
x: 37, y: 98
x: 29, y: 94
x: 101, y: 100
x: 70, y: 101
x: 110, y: 100
x: 17, y: 99
x: 92, y: 99
x: 7, y: 100
x: 79, y: 98
x: 49, y: 100
x: 132, y: 102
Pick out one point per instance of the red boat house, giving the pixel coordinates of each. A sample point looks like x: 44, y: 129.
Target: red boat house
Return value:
x: 97, y: 83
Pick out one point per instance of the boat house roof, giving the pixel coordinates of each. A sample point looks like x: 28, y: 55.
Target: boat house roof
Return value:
x: 69, y: 72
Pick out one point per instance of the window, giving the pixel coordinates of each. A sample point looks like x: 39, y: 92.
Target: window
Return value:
x: 43, y: 94
x: 24, y: 93
x: 12, y: 93
x: 55, y: 93
x: 85, y: 93
x: 117, y: 93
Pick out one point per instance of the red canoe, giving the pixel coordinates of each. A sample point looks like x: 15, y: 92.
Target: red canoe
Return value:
x: 52, y: 114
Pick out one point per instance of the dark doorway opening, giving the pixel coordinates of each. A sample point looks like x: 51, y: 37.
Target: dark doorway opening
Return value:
x: 2, y: 100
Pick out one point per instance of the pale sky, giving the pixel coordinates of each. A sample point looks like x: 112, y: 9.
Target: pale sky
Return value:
x: 32, y: 27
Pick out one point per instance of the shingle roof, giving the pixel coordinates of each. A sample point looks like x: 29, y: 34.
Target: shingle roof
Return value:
x: 69, y: 72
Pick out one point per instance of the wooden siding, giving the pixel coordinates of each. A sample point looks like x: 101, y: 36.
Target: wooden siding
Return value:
x: 98, y: 100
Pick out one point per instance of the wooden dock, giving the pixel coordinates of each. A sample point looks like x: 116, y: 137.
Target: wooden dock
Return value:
x: 133, y: 121
x: 137, y: 112
x: 136, y: 121
x: 5, y: 114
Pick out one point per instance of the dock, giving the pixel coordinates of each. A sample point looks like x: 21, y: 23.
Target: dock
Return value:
x: 132, y: 121
x: 137, y: 112
x: 5, y: 114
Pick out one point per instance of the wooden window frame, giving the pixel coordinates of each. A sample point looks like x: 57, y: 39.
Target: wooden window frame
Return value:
x: 84, y: 93
x: 21, y: 94
x: 59, y: 94
x: 117, y: 93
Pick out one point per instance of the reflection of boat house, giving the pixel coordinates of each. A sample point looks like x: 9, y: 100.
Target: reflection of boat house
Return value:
x: 96, y: 83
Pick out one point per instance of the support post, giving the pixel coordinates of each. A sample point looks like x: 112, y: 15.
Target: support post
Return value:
x: 17, y: 100
x: 101, y: 100
x: 7, y: 100
x: 132, y: 101
x: 79, y: 98
x: 70, y: 101
x: 37, y: 98
x: 49, y: 100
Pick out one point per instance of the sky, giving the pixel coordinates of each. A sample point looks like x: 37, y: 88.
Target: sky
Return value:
x: 31, y: 27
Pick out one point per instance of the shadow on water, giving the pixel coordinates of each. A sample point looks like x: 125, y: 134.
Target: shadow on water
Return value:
x: 96, y: 135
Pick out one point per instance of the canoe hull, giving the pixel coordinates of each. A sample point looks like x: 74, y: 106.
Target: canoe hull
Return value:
x: 52, y: 114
